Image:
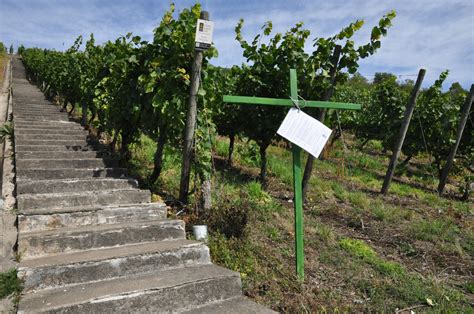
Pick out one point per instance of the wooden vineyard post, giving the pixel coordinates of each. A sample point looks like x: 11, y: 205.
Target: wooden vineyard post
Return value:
x: 462, y: 123
x: 403, y: 131
x: 191, y: 116
x: 296, y: 151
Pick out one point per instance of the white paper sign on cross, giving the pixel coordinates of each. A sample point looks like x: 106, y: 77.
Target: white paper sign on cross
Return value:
x: 304, y: 131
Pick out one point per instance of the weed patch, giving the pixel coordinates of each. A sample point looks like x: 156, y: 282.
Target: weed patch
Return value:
x: 10, y: 284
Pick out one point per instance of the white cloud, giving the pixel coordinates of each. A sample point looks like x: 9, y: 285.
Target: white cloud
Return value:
x: 435, y: 34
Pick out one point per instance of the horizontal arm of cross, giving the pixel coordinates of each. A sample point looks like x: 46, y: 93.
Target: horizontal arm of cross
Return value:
x: 289, y: 102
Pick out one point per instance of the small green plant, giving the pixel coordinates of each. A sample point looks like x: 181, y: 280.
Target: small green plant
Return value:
x: 249, y: 153
x: 469, y: 286
x: 9, y: 283
x: 221, y: 147
x: 6, y: 131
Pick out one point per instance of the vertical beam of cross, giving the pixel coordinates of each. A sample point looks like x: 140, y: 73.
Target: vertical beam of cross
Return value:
x: 298, y: 192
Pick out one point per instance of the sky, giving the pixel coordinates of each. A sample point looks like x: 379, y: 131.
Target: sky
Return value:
x: 430, y: 34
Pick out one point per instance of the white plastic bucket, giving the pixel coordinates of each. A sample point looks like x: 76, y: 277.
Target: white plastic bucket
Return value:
x: 200, y: 232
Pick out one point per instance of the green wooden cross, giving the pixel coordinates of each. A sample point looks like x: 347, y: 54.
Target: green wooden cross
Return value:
x: 298, y: 194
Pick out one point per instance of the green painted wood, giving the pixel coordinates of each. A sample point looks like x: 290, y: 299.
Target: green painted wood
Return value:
x: 298, y: 190
x: 288, y: 102
x: 296, y: 151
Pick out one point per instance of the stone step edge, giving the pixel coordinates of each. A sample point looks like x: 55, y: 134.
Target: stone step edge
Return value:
x: 68, y: 210
x: 101, y: 254
x: 83, y: 193
x: 120, y: 288
x: 73, y: 183
x: 25, y: 174
x: 72, y: 180
x: 47, y: 148
x: 68, y: 230
x: 91, y: 266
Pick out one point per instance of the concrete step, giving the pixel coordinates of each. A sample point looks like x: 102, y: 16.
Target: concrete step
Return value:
x: 33, y: 220
x: 63, y: 125
x: 35, y: 97
x: 54, y: 148
x: 39, y: 136
x: 51, y: 164
x: 67, y: 131
x: 43, y: 243
x: 86, y: 266
x: 167, y: 291
x: 78, y: 199
x: 39, y: 102
x: 68, y: 173
x: 237, y: 305
x: 60, y: 155
x: 39, y: 118
x: 73, y: 185
x: 35, y: 104
x: 38, y: 111
x: 66, y: 143
x: 35, y: 113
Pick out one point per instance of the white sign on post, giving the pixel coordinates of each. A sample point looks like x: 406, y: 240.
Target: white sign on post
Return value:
x: 305, y: 131
x: 204, y: 31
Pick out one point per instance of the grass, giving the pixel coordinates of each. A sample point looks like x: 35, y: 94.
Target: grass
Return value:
x: 364, y: 252
x: 10, y: 284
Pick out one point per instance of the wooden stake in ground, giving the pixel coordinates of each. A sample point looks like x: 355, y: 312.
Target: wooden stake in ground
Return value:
x: 296, y: 150
x: 191, y: 116
x: 403, y: 131
x: 462, y: 123
x: 308, y: 170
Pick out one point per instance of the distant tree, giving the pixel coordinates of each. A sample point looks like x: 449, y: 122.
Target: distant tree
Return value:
x: 456, y: 89
x: 2, y: 48
x: 358, y: 80
x: 384, y: 76
x: 407, y: 85
x: 21, y: 50
x: 11, y: 49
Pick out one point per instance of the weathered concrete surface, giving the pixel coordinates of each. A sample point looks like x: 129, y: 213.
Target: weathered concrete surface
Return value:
x: 66, y: 163
x: 83, y: 142
x: 52, y: 148
x: 74, y: 185
x: 47, y: 174
x: 100, y: 236
x: 55, y: 125
x: 63, y: 131
x: 85, y: 198
x: 9, y: 234
x: 49, y: 219
x: 49, y: 136
x: 166, y: 291
x: 61, y: 154
x: 94, y: 265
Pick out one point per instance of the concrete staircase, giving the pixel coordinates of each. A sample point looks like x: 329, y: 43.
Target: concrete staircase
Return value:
x: 90, y: 240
